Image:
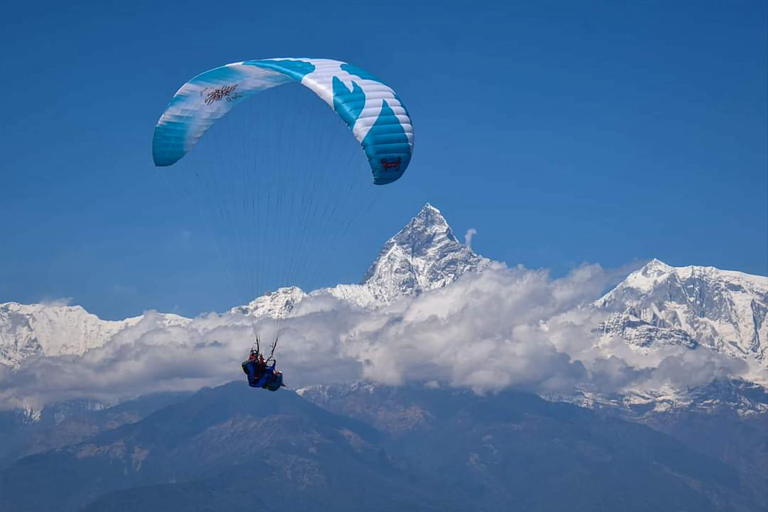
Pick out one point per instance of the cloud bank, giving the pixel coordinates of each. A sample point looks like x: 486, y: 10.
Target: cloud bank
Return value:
x: 502, y: 328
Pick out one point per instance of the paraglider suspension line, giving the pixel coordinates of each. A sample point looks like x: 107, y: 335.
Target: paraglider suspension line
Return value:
x: 272, y: 351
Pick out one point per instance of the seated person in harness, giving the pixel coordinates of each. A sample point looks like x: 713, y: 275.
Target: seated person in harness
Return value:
x: 260, y: 373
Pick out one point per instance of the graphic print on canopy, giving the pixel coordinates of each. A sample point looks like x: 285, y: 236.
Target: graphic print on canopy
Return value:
x: 371, y: 109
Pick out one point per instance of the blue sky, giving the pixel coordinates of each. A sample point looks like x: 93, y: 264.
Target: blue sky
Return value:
x: 564, y: 132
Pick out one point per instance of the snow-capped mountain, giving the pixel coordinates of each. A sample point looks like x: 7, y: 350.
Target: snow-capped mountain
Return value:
x: 44, y: 329
x: 422, y: 256
x: 55, y: 329
x: 723, y: 310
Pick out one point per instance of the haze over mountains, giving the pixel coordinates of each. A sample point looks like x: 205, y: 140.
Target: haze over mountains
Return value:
x: 668, y: 369
x: 377, y: 449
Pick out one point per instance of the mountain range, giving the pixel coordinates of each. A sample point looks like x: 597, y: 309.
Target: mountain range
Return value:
x: 658, y: 304
x: 360, y: 446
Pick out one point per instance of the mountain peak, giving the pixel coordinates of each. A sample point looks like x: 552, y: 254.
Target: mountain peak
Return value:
x: 429, y: 212
x: 657, y: 265
x: 649, y: 275
x: 424, y: 255
x: 426, y: 230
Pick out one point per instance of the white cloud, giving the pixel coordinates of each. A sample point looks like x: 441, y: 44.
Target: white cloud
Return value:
x: 468, y: 236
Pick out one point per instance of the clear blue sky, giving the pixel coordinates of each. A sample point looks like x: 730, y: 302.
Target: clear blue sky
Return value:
x: 564, y: 132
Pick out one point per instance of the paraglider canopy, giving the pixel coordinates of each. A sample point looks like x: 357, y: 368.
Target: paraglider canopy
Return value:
x: 372, y: 110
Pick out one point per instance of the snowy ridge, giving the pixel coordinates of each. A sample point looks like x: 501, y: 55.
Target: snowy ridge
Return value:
x: 53, y: 330
x: 41, y: 329
x: 642, y: 334
x: 722, y: 310
x: 744, y: 398
x: 277, y: 304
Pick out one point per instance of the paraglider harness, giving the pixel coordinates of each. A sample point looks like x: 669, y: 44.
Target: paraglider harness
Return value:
x: 261, y: 373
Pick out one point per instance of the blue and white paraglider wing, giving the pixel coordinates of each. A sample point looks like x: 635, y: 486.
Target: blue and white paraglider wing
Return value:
x: 373, y: 111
